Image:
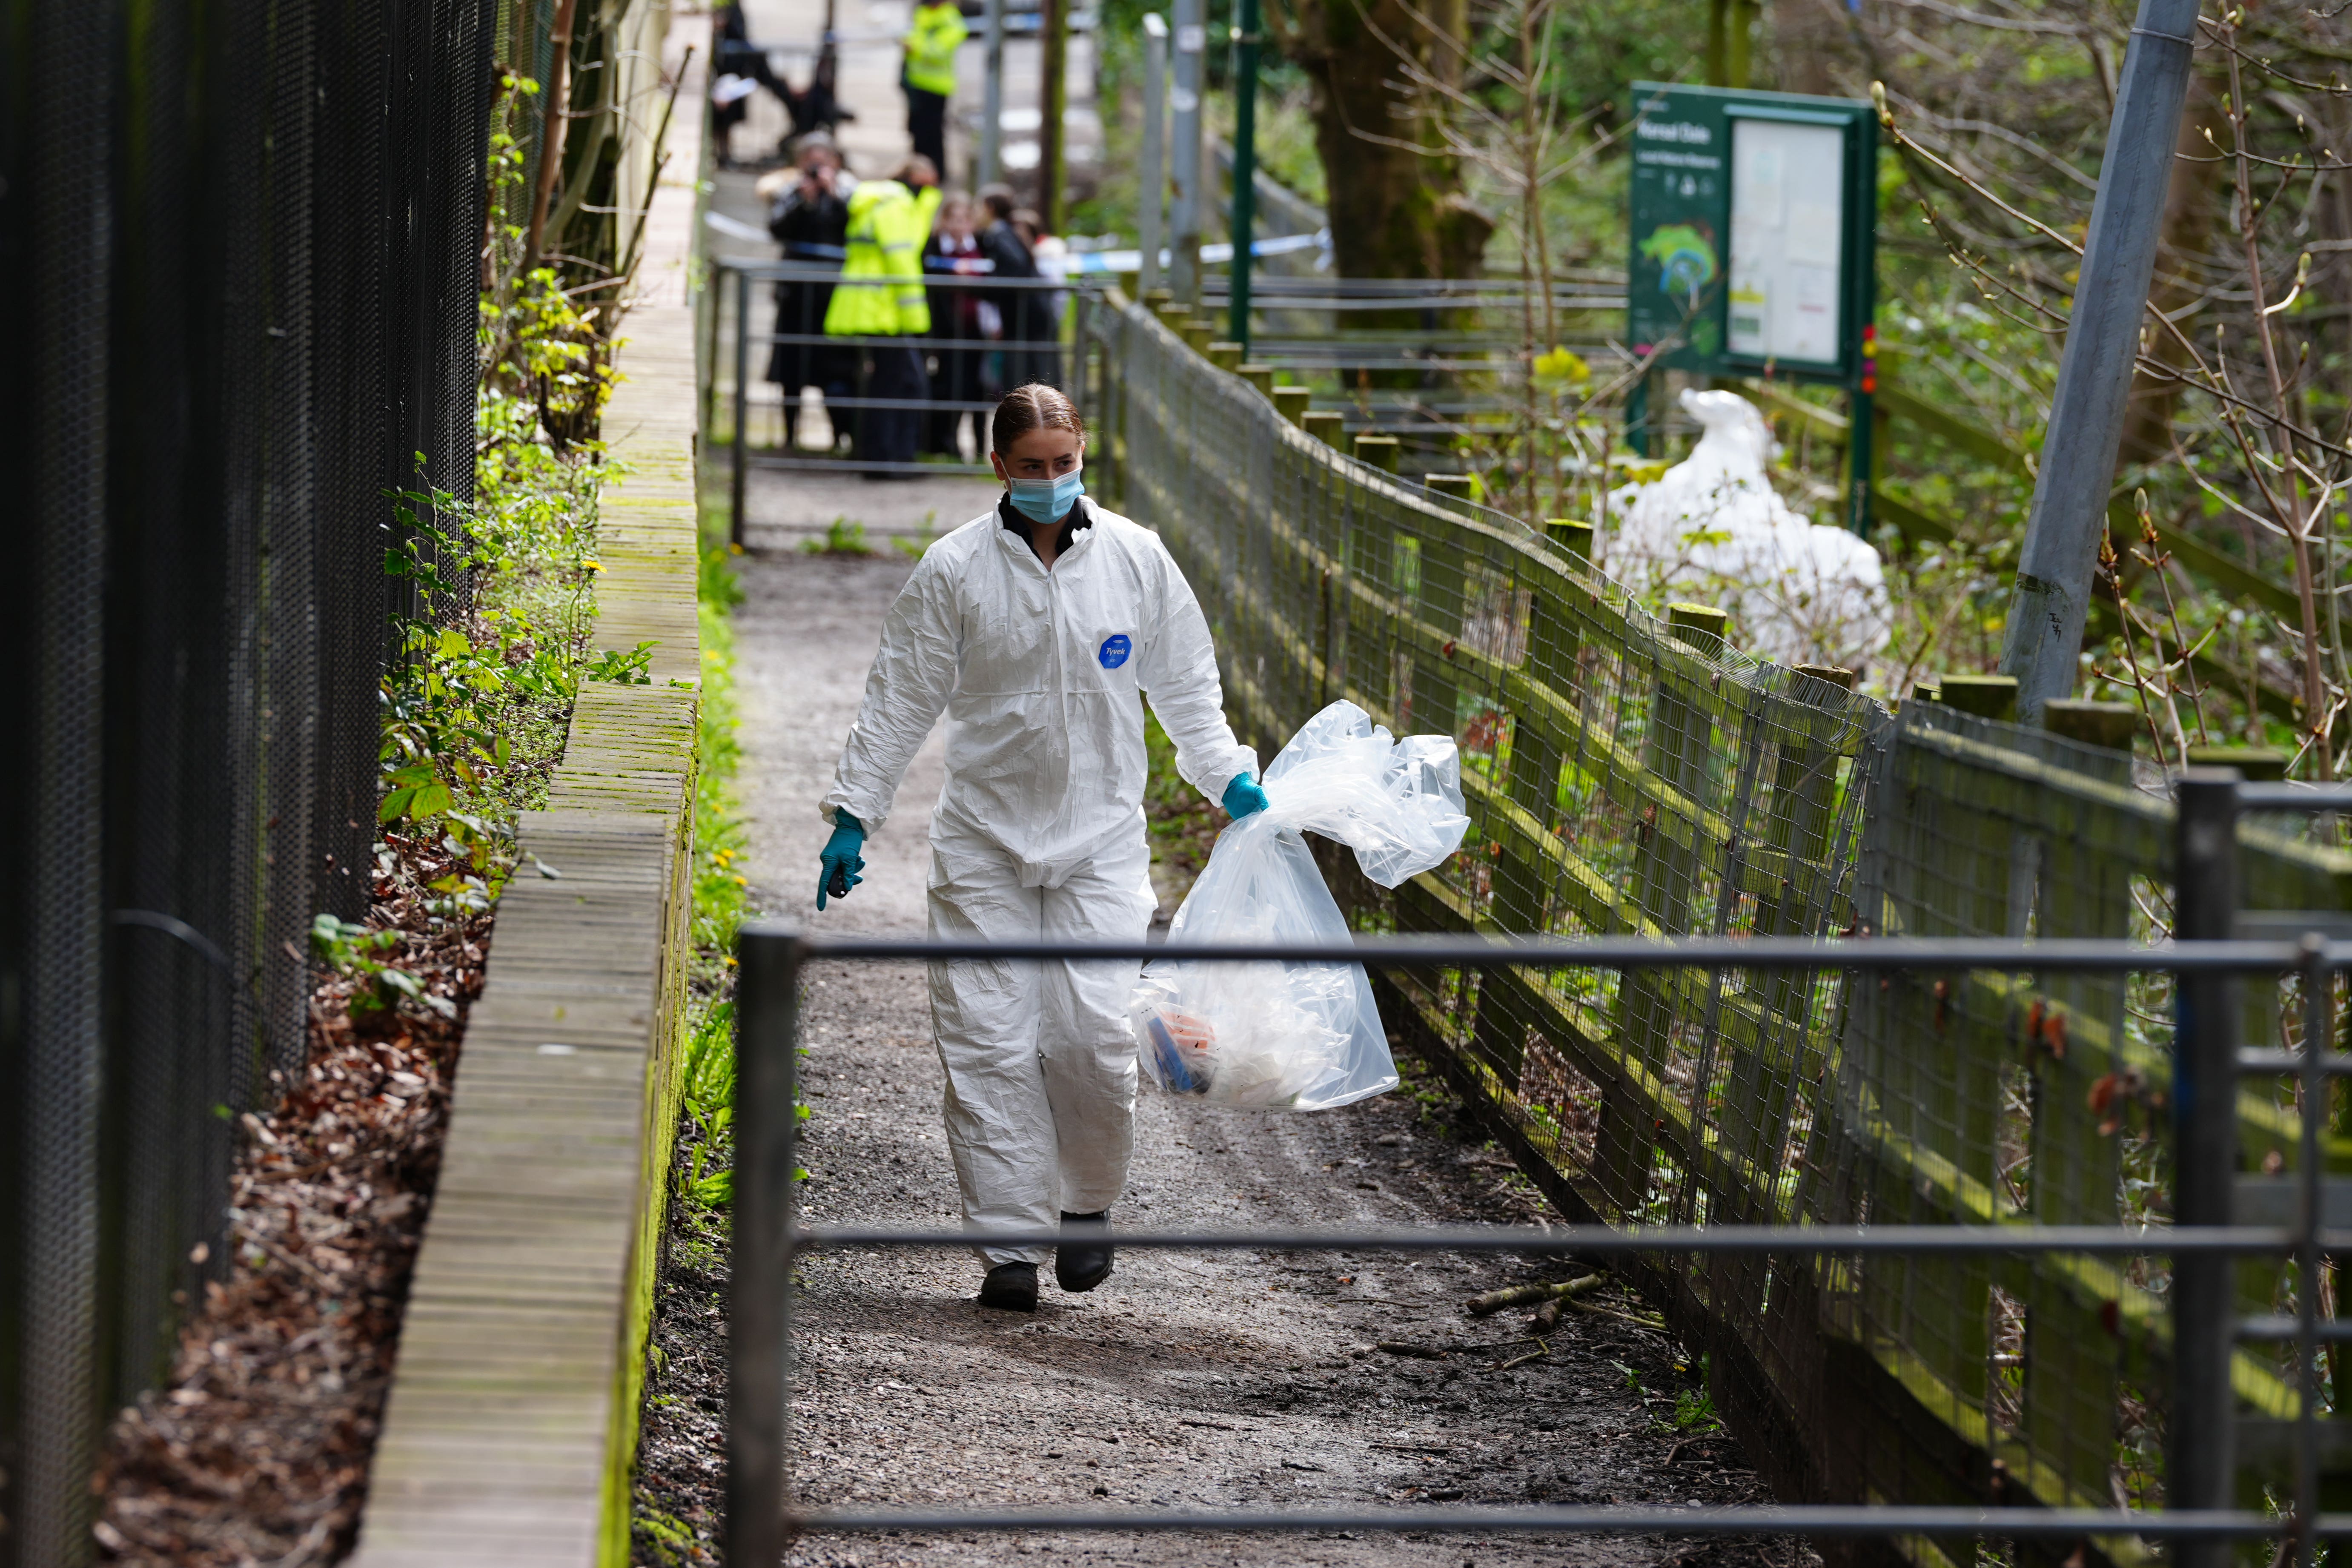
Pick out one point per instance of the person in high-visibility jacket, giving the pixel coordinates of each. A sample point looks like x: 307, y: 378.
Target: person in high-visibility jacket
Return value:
x: 929, y: 76
x: 881, y: 295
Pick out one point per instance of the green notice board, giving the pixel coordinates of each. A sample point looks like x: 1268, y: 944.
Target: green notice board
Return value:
x: 1754, y: 217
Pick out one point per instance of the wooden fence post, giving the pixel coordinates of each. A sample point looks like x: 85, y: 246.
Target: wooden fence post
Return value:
x: 1523, y: 876
x: 1674, y: 753
x: 1452, y: 487
x: 2108, y: 725
x: 1804, y: 789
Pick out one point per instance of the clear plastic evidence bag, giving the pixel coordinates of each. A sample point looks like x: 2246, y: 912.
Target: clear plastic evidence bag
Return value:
x: 1297, y: 1036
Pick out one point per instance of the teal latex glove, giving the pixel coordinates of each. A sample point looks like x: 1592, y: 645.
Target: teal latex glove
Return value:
x: 1243, y: 796
x: 839, y: 863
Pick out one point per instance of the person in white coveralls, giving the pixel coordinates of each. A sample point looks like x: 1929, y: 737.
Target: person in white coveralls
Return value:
x: 1037, y: 627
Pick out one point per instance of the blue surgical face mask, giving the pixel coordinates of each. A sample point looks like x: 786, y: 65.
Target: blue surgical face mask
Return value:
x: 1047, y: 500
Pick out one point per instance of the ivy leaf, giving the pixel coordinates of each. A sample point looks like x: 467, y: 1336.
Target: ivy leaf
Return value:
x: 430, y: 800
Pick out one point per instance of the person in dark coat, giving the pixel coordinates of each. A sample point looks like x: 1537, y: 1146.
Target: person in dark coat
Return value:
x: 1041, y: 319
x: 810, y: 223
x: 734, y: 55
x: 959, y: 313
x: 1009, y: 257
x: 814, y: 111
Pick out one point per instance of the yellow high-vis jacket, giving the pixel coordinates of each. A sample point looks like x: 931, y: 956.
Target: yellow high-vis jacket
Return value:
x: 881, y: 289
x: 931, y: 47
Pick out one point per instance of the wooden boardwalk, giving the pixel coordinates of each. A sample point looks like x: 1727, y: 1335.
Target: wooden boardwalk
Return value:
x: 512, y: 1425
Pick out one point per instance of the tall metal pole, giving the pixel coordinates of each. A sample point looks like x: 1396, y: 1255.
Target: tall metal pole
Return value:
x: 2086, y: 414
x: 1054, y: 103
x: 991, y: 94
x: 1245, y: 226
x: 1184, y: 204
x: 737, y: 456
x: 2207, y: 1010
x: 1152, y: 176
x: 759, y: 1292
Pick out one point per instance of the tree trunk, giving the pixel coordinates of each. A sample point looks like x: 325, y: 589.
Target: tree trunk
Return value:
x: 1396, y: 211
x: 1810, y: 44
x: 2190, y: 204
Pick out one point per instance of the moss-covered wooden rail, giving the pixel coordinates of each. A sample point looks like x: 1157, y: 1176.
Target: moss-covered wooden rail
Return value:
x: 1627, y: 774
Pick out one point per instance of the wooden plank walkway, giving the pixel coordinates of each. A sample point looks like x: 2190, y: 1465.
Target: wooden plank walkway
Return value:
x: 511, y: 1425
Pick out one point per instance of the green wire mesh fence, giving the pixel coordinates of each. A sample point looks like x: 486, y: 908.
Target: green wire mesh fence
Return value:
x: 1632, y: 775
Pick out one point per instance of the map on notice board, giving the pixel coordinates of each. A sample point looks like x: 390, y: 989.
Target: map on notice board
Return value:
x: 1787, y: 228
x: 1677, y: 278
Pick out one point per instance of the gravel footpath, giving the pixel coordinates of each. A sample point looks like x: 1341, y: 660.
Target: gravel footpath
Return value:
x: 1216, y: 1380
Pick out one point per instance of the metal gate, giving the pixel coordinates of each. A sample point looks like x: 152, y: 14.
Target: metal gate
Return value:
x: 2208, y: 1241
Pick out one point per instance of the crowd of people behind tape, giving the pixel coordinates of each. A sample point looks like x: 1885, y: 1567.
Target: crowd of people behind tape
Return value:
x: 914, y: 261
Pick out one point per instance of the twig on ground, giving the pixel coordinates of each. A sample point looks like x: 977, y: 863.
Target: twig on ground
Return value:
x: 1518, y: 1294
x: 1538, y: 1353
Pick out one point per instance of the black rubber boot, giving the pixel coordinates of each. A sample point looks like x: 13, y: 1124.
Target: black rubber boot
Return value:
x: 1079, y: 1266
x: 1011, y: 1288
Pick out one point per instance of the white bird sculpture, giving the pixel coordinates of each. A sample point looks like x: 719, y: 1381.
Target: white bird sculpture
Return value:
x: 1712, y: 528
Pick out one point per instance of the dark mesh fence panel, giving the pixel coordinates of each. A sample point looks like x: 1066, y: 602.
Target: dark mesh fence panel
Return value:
x: 351, y: 327
x: 238, y: 260
x: 58, y: 149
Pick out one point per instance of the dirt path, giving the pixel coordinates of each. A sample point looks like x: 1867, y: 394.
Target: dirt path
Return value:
x: 1186, y: 1380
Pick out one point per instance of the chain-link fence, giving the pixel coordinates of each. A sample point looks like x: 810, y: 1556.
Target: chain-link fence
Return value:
x: 239, y: 268
x: 1633, y: 777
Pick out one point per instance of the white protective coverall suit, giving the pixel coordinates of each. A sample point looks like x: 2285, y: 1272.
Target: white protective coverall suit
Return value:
x: 1039, y: 832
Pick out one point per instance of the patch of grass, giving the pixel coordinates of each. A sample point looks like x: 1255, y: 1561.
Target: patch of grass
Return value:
x: 661, y: 1536
x: 721, y: 892
x: 704, y: 1173
x: 915, y: 548
x: 1694, y: 1412
x: 843, y: 536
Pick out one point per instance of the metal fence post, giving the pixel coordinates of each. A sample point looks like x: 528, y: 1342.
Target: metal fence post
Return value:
x: 991, y: 97
x: 1244, y: 225
x: 758, y: 1292
x: 2069, y: 516
x: 1151, y: 173
x: 710, y: 305
x: 735, y: 454
x: 1185, y: 205
x: 2207, y: 1011
x: 1054, y: 104
x: 2311, y: 1177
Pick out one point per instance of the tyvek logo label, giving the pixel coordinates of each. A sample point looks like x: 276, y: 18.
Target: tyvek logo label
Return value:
x: 1115, y: 649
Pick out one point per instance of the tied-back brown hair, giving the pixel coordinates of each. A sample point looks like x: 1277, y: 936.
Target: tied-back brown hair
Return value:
x: 1036, y: 406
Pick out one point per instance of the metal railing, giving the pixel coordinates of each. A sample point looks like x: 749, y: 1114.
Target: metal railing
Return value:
x: 2204, y: 1244
x: 744, y: 330
x: 959, y: 375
